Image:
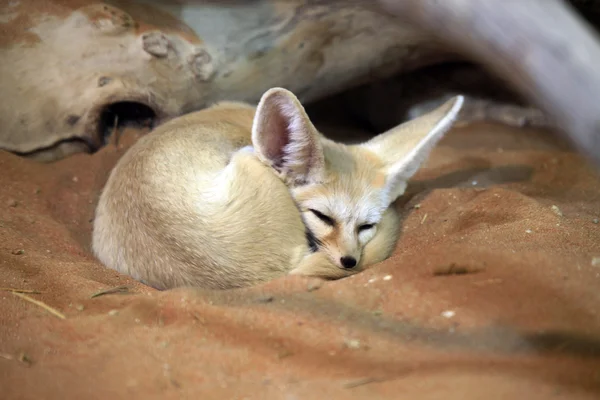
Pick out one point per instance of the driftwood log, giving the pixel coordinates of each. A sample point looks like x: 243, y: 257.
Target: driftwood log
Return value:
x: 541, y: 47
x: 71, y: 69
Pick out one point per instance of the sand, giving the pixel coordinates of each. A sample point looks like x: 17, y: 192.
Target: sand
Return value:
x: 493, y: 292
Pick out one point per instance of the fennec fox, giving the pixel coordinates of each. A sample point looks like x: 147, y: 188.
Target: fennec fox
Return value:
x: 235, y: 195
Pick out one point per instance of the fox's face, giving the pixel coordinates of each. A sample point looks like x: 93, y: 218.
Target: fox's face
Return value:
x: 342, y: 191
x: 342, y: 210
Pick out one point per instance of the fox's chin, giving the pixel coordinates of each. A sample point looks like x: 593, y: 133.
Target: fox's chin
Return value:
x: 333, y: 260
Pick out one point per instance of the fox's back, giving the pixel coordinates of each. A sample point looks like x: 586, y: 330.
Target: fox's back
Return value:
x: 179, y: 210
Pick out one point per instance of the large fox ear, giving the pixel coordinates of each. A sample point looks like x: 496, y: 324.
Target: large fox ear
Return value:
x: 284, y: 138
x: 404, y: 148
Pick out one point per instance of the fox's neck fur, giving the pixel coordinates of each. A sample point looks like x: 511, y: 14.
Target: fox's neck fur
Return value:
x: 230, y: 196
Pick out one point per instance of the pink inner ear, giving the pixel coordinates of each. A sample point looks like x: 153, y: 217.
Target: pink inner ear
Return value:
x: 282, y: 120
x: 276, y: 138
x: 273, y: 133
x: 285, y: 136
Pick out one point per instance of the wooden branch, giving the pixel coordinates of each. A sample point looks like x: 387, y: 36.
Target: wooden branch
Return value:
x: 546, y: 51
x: 175, y: 58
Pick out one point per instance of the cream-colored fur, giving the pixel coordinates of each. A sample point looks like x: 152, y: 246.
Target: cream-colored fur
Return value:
x: 223, y: 197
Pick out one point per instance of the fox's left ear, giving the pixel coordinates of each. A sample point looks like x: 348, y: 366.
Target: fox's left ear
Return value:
x: 404, y: 148
x: 284, y: 138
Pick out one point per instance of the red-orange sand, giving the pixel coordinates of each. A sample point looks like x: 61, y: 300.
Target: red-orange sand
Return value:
x: 492, y: 293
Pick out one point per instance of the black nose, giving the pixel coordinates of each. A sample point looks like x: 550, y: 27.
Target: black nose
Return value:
x: 348, y: 262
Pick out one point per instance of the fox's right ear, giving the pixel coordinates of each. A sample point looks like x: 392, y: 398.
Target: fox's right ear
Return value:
x: 284, y: 138
x: 405, y: 148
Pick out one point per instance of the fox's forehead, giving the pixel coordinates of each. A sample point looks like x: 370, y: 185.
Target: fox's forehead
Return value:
x: 349, y: 203
x: 352, y: 189
x: 346, y: 160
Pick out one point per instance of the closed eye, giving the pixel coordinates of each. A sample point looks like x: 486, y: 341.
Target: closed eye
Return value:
x: 328, y: 220
x: 365, y: 227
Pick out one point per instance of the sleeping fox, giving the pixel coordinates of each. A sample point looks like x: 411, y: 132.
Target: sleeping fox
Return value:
x: 236, y: 195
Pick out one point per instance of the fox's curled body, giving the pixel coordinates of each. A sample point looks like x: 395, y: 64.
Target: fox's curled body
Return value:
x: 223, y: 197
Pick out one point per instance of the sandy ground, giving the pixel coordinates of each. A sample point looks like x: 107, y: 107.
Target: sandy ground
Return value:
x: 493, y: 293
